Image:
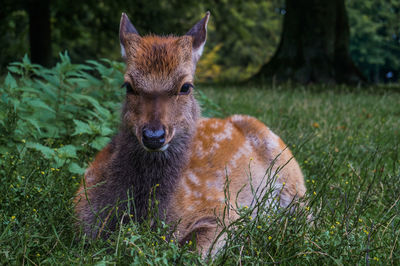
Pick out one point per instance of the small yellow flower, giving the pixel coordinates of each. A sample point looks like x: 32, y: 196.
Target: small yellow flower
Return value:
x: 316, y: 125
x: 52, y: 169
x: 23, y: 141
x: 376, y: 258
x: 163, y: 238
x: 331, y: 232
x: 338, y: 223
x: 360, y: 220
x: 315, y: 193
x: 57, y: 169
x: 42, y: 172
x: 347, y: 182
x: 23, y: 177
x: 307, y: 180
x: 246, y: 207
x: 270, y: 237
x: 73, y: 177
x: 259, y: 226
x: 190, y: 242
x: 13, y: 217
x: 172, y: 241
x: 366, y: 232
x: 313, y: 181
x: 332, y: 227
x: 251, y: 218
x: 34, y: 210
x: 140, y: 252
x: 307, y: 208
x: 251, y: 158
x: 284, y: 183
x: 129, y: 229
x: 294, y: 218
x: 37, y: 255
x: 157, y: 185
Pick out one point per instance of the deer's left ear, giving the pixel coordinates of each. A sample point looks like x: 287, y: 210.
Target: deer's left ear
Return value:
x: 125, y: 28
x: 199, y: 35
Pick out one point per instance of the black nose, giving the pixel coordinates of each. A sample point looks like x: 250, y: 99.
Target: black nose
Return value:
x: 152, y: 138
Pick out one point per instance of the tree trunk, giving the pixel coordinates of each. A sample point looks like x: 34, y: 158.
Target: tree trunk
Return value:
x: 40, y: 31
x: 314, y: 46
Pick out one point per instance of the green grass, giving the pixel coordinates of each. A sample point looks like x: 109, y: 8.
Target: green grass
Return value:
x: 347, y: 142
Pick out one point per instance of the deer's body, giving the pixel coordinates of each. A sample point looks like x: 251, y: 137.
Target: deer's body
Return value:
x: 163, y: 144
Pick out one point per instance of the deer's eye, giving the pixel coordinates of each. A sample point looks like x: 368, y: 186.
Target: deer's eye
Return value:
x: 129, y: 89
x: 185, y: 89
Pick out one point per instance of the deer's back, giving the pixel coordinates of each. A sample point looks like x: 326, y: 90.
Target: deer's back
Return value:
x: 232, y: 157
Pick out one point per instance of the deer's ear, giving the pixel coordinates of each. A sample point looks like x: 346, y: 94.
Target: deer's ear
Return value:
x: 125, y: 28
x: 199, y: 35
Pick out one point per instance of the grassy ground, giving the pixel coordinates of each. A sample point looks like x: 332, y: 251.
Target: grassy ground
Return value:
x: 347, y: 143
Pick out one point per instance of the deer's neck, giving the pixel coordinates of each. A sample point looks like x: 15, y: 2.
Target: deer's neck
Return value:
x: 141, y: 173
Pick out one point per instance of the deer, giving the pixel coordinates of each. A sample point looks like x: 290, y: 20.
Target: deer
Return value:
x: 164, y: 143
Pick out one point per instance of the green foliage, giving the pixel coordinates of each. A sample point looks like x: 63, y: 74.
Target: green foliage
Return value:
x: 347, y: 142
x: 375, y: 37
x: 62, y: 111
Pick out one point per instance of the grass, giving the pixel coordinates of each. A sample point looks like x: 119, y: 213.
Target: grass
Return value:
x: 346, y: 141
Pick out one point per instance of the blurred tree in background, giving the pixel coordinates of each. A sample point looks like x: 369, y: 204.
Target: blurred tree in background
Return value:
x: 375, y: 38
x: 243, y: 35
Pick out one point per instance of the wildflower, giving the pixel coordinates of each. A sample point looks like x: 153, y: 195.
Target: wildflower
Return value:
x: 366, y: 232
x: 259, y: 227
x: 57, y: 169
x: 140, y: 252
x: 347, y: 182
x: 23, y: 177
x: 13, y: 218
x: 157, y: 185
x: 360, y: 220
x: 246, y: 207
x: 23, y: 141
x: 37, y: 255
x: 251, y: 158
x: 34, y: 210
x: 163, y: 238
x: 251, y: 218
x: 284, y: 183
x: 73, y: 177
x: 42, y: 172
x: 270, y: 237
x: 172, y: 241
x: 316, y: 125
x: 338, y: 223
x: 331, y: 232
x: 52, y: 169
x: 376, y: 258
x: 190, y: 242
x: 332, y: 227
x: 315, y: 193
x: 129, y: 229
x: 313, y: 181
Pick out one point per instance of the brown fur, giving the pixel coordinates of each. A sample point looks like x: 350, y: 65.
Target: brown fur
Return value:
x: 202, y: 153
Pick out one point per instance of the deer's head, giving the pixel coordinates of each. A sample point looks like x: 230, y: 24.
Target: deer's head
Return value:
x: 159, y: 79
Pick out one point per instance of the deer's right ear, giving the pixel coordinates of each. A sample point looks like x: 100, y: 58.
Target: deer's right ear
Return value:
x: 125, y: 28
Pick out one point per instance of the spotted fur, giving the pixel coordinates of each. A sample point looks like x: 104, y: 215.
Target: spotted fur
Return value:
x: 190, y: 174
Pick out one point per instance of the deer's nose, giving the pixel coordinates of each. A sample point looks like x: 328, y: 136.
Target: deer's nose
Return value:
x: 153, y: 138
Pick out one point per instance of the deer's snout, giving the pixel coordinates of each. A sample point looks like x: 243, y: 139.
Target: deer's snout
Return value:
x: 153, y: 138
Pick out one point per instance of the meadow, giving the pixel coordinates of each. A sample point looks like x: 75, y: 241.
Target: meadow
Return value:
x: 346, y: 140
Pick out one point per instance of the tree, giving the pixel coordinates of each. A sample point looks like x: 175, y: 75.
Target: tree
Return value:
x: 40, y: 31
x: 314, y: 46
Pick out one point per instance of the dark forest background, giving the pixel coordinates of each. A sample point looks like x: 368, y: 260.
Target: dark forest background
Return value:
x: 306, y: 41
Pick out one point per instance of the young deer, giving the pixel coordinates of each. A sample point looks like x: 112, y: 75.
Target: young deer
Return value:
x: 163, y: 143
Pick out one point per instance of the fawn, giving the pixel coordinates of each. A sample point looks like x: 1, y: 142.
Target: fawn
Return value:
x: 163, y: 143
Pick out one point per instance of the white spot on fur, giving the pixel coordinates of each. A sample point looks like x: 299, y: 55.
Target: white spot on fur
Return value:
x: 272, y: 141
x: 245, y: 150
x: 193, y: 178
